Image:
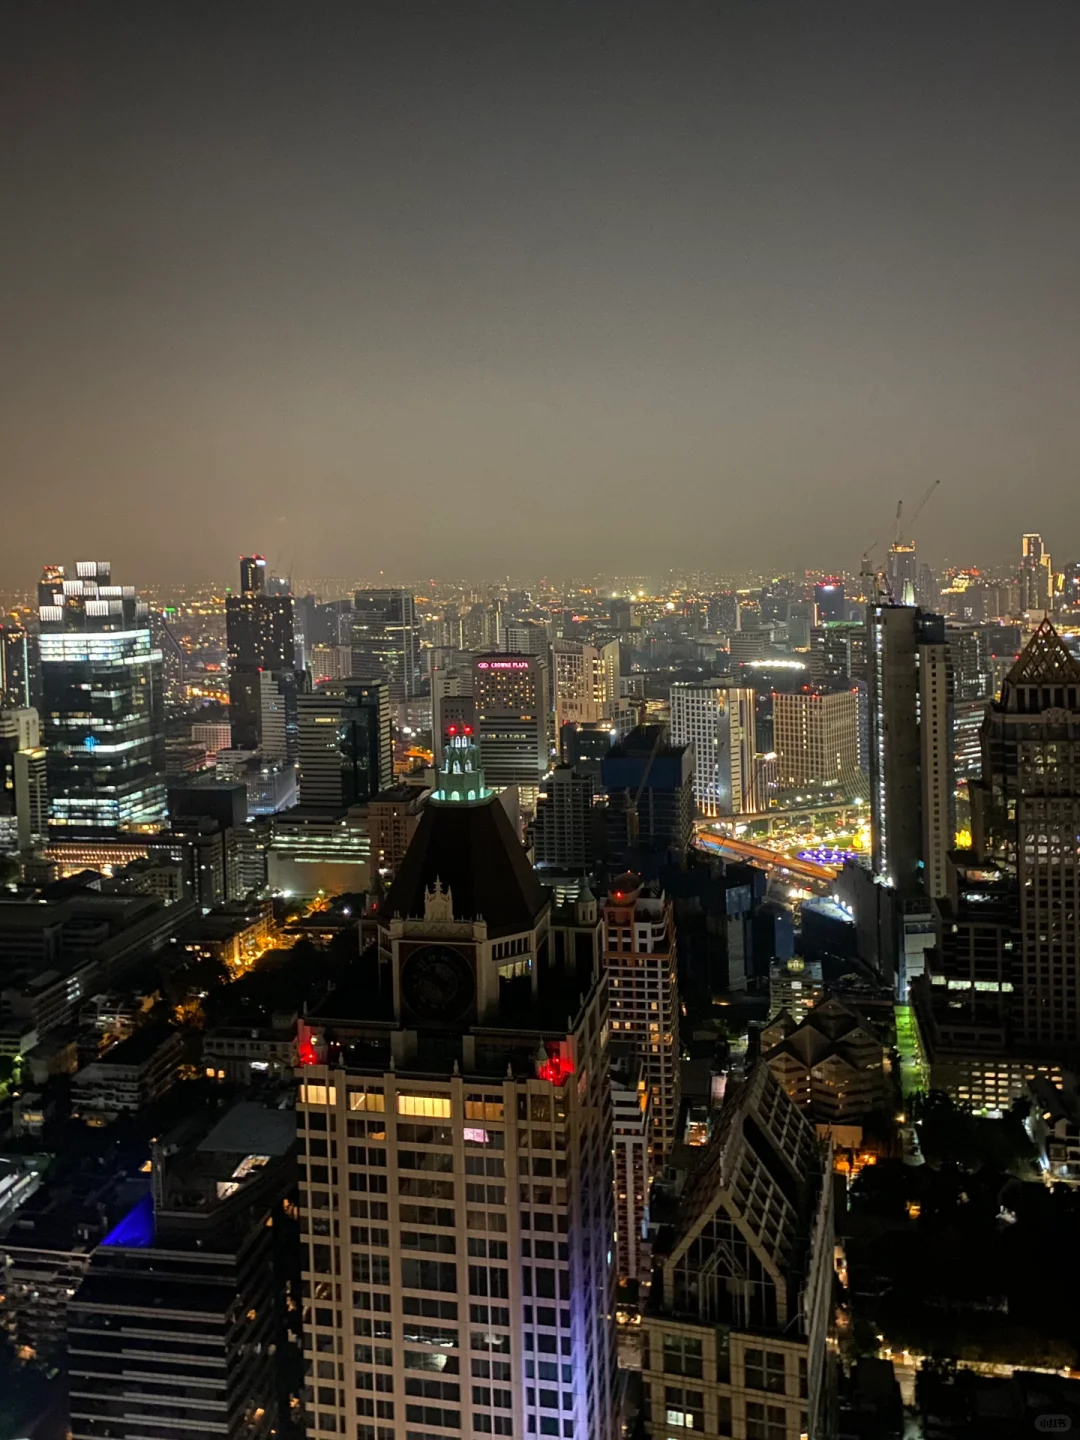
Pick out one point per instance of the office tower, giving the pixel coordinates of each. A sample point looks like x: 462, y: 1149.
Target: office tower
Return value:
x: 838, y: 651
x: 722, y: 613
x: 279, y: 724
x: 384, y: 641
x: 741, y: 1302
x: 103, y: 716
x: 1026, y: 819
x: 22, y: 781
x: 345, y: 744
x: 829, y: 599
x: 1000, y: 1002
x: 15, y: 666
x: 643, y: 994
x: 330, y: 662
x: 212, y: 735
x: 621, y: 613
x: 718, y: 721
x: 278, y: 585
x: 816, y: 737
x: 470, y: 1204
x: 972, y: 667
x: 586, y: 682
x: 1070, y: 587
x: 513, y: 719
x: 260, y: 636
x: 1036, y: 575
x: 829, y: 1061
x: 180, y: 1325
x: 524, y: 637
x: 650, y: 781
x: 911, y: 787
x: 563, y: 829
x: 173, y: 661
x: 901, y: 572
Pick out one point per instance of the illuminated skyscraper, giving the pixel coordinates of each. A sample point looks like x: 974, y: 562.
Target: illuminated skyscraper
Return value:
x: 911, y: 758
x: 718, y: 721
x: 513, y: 718
x: 385, y: 642
x: 259, y: 630
x: 586, y: 682
x: 345, y: 744
x: 1036, y: 575
x: 457, y: 1201
x: 15, y: 665
x: 643, y: 994
x: 816, y: 737
x: 102, y: 716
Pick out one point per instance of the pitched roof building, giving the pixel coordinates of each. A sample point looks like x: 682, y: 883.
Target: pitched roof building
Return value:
x: 831, y: 1063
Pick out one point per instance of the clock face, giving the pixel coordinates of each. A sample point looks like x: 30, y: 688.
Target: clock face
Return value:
x: 437, y: 983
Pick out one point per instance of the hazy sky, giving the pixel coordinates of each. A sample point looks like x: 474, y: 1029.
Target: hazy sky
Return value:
x: 535, y: 286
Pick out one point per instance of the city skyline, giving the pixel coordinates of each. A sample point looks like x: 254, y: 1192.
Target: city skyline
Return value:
x: 396, y: 277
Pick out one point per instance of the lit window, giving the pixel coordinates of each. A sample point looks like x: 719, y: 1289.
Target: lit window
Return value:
x: 431, y: 1106
x: 317, y: 1094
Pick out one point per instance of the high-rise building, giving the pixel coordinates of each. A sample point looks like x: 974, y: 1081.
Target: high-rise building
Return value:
x: 586, y: 682
x: 31, y: 785
x: 201, y: 1271
x: 1026, y: 819
x: 838, y: 651
x: 816, y: 737
x: 513, y: 718
x: 331, y: 662
x: 260, y: 637
x: 384, y: 640
x: 643, y: 994
x: 1036, y: 575
x: 901, y: 572
x: 718, y: 721
x: 911, y: 769
x: 279, y: 727
x: 563, y: 828
x: 15, y: 666
x: 102, y: 714
x: 470, y: 1204
x: 345, y: 744
x: 737, y: 1329
x: 524, y: 637
x: 650, y: 785
x: 829, y: 599
x: 1000, y: 1002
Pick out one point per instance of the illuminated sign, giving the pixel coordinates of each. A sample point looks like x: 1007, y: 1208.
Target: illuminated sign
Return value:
x: 502, y: 664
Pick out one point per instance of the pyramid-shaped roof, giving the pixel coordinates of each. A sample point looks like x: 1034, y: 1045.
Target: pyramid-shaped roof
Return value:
x: 1045, y: 660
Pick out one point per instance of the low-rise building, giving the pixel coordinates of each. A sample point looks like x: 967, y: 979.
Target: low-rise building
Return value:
x: 128, y: 1076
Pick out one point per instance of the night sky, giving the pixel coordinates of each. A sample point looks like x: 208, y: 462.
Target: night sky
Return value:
x: 532, y: 287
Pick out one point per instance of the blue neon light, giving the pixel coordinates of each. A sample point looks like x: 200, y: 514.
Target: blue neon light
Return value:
x: 91, y: 742
x: 136, y: 1230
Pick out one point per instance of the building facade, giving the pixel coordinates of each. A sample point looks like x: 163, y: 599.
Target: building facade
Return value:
x: 816, y: 737
x: 345, y: 743
x: 718, y: 721
x: 384, y: 640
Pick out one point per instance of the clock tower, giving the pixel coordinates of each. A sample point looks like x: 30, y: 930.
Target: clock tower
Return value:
x: 465, y: 929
